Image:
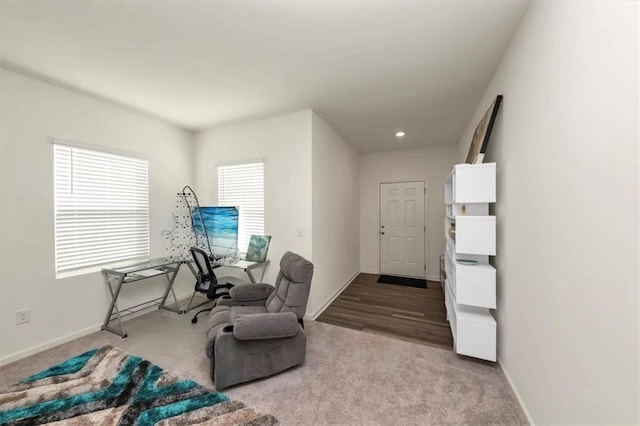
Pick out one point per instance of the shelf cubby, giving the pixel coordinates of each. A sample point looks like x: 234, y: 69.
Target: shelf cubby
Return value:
x: 470, y: 289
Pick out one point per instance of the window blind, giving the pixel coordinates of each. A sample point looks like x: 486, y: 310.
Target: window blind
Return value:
x: 101, y: 207
x: 242, y: 185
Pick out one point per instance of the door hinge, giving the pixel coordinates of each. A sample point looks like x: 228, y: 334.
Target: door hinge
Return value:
x: 425, y: 267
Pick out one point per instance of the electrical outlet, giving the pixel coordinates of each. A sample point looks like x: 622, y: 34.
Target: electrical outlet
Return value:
x: 23, y: 316
x: 300, y: 231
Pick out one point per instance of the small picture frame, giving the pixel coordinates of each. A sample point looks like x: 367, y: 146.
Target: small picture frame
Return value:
x: 258, y: 248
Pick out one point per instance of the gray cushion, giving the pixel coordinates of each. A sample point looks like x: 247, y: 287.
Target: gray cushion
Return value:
x: 220, y: 318
x: 292, y: 285
x: 296, y: 268
x: 265, y: 326
x: 232, y: 302
x: 236, y: 311
x: 219, y: 314
x: 251, y: 292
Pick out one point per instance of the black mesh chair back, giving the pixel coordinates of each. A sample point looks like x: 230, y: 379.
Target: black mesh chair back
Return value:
x: 206, y: 282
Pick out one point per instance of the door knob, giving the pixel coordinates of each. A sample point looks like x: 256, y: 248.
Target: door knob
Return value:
x: 382, y: 232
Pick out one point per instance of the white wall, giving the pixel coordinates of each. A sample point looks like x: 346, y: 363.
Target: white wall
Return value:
x: 284, y: 143
x: 336, y: 220
x: 431, y: 165
x: 33, y: 112
x: 566, y: 144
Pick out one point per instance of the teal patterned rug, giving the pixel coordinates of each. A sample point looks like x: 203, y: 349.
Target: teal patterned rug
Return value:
x: 107, y: 386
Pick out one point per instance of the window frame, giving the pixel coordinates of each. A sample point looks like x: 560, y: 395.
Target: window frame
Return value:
x: 140, y: 213
x: 241, y: 248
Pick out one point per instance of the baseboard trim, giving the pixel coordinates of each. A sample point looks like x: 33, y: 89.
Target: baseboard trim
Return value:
x: 16, y: 356
x: 370, y: 272
x: 333, y: 297
x: 48, y: 345
x: 515, y: 391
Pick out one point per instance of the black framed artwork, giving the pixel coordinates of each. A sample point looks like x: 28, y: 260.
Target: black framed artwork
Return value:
x: 483, y: 133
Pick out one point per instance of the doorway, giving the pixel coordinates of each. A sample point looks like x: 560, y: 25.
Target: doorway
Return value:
x: 402, y: 229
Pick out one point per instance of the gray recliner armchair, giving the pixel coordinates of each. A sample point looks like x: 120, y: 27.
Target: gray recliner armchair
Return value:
x: 258, y: 331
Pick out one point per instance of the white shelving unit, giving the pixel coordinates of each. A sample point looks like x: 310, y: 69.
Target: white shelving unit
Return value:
x: 470, y: 289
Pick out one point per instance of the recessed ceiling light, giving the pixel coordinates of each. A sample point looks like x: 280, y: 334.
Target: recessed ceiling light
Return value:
x: 399, y: 134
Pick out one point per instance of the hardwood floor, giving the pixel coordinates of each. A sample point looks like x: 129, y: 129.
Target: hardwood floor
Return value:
x: 407, y: 313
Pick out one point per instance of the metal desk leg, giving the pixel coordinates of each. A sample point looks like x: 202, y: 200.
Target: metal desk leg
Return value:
x: 193, y: 271
x: 114, y: 305
x: 250, y: 274
x: 170, y: 289
x: 195, y: 274
x: 264, y: 269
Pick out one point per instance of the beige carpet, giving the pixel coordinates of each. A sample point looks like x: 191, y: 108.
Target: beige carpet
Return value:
x: 349, y: 377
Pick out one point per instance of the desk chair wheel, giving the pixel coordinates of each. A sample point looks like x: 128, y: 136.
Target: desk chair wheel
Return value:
x: 195, y: 317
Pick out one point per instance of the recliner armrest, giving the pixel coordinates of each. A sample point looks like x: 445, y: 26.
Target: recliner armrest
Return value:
x: 266, y: 326
x: 250, y: 292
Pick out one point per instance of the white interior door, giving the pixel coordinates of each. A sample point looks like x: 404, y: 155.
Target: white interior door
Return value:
x: 402, y: 229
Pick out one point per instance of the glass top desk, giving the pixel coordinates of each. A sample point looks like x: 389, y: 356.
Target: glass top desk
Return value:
x: 117, y: 276
x: 246, y: 265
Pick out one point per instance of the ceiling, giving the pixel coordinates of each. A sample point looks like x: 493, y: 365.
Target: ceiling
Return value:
x: 368, y: 69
